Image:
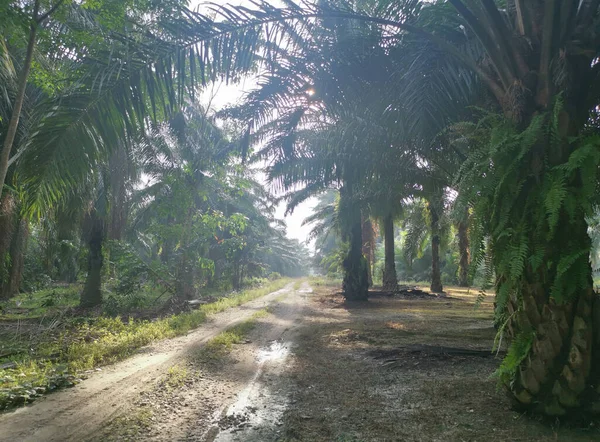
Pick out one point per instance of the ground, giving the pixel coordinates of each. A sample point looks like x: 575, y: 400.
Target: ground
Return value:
x: 301, y: 365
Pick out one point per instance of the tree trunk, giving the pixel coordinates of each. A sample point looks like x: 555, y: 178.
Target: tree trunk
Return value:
x: 117, y: 164
x: 356, y: 282
x: 14, y: 232
x: 436, y: 277
x: 13, y: 125
x: 10, y: 287
x: 464, y: 255
x: 544, y: 284
x: 185, y: 278
x: 368, y: 246
x: 236, y: 275
x: 557, y: 365
x: 92, y: 290
x: 7, y: 229
x: 390, y: 279
x: 355, y: 285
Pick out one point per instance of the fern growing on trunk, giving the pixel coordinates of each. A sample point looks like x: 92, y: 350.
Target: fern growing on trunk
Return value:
x: 540, y: 185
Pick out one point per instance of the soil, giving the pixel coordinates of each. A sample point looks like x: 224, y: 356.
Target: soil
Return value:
x: 397, y: 368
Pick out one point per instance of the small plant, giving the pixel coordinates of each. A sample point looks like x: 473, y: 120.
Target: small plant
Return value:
x: 51, y: 299
x: 176, y: 376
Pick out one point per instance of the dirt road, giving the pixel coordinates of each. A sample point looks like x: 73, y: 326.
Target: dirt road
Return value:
x: 313, y: 368
x: 83, y: 412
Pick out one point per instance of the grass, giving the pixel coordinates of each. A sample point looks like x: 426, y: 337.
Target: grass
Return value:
x: 129, y: 426
x: 58, y: 359
x: 176, y: 376
x: 36, y: 305
x: 219, y: 347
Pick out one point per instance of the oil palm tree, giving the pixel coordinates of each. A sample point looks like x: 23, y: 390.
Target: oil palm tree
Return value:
x: 529, y: 177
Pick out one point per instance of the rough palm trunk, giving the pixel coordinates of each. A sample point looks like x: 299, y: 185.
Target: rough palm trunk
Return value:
x: 7, y: 229
x: 92, y: 290
x: 14, y: 232
x: 464, y: 255
x: 368, y: 248
x: 118, y: 185
x: 14, y: 276
x: 544, y: 285
x: 557, y: 366
x: 166, y: 249
x: 355, y: 285
x: 236, y: 276
x: 390, y: 279
x: 356, y: 282
x: 185, y: 270
x: 436, y: 277
x: 185, y: 278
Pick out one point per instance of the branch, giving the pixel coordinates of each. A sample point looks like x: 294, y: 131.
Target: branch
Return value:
x: 504, y: 71
x: 520, y: 10
x: 504, y: 36
x: 586, y: 15
x: 42, y: 18
x: 496, y: 89
x: 287, y: 15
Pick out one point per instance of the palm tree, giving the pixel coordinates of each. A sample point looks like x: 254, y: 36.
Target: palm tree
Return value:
x: 531, y: 166
x: 390, y: 278
x: 526, y: 174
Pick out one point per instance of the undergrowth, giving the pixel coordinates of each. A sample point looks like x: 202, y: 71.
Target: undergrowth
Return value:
x: 320, y: 281
x: 58, y: 361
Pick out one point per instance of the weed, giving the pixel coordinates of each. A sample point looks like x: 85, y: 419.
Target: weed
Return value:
x: 42, y: 303
x: 129, y: 426
x: 176, y: 376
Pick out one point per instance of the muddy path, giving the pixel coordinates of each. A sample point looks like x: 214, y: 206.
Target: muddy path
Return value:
x: 85, y: 411
x: 241, y: 397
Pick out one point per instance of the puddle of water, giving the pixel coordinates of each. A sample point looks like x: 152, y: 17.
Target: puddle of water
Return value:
x: 305, y: 289
x: 275, y: 351
x: 257, y: 409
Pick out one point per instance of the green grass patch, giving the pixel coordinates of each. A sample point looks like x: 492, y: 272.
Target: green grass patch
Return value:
x: 100, y: 341
x: 130, y: 426
x: 176, y: 376
x: 38, y: 304
x: 219, y: 347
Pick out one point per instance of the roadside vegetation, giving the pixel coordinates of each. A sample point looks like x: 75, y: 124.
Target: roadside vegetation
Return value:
x: 58, y: 355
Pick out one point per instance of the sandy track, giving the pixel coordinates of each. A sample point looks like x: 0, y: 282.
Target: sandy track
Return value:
x: 76, y: 414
